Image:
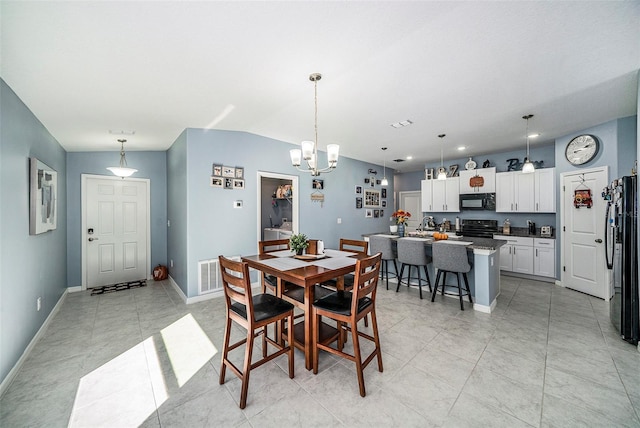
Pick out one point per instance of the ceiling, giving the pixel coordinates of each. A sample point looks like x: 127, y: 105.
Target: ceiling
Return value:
x: 471, y: 70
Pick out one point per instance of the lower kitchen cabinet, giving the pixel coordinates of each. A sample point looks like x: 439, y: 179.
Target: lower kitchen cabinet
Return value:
x: 544, y: 261
x: 530, y: 256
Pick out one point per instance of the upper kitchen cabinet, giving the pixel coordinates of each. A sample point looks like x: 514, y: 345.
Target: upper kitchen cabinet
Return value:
x: 526, y: 193
x: 441, y: 195
x: 470, y: 184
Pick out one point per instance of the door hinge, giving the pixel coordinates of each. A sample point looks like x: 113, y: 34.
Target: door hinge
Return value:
x: 564, y: 229
x: 563, y: 188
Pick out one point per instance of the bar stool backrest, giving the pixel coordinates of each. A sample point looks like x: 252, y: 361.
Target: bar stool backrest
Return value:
x: 450, y: 257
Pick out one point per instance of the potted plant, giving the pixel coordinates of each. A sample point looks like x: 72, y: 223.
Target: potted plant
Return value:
x: 298, y: 243
x: 401, y: 217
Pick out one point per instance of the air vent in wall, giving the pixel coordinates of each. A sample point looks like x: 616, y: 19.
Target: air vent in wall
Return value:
x: 210, y: 280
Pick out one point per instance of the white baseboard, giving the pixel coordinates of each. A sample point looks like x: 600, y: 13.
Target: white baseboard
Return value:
x: 203, y: 297
x: 74, y: 289
x: 6, y: 382
x: 484, y: 308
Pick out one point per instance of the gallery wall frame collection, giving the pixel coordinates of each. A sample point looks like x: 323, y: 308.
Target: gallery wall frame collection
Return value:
x: 366, y: 197
x: 227, y: 177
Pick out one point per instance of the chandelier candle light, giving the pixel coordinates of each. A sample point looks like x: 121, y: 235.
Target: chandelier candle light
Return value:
x: 528, y: 167
x: 384, y: 181
x: 123, y: 170
x: 309, y: 150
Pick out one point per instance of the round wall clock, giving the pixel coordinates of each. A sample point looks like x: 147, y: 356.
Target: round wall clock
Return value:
x: 582, y: 149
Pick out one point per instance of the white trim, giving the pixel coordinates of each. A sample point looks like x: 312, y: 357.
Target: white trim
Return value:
x: 215, y: 295
x: 83, y: 198
x: 486, y: 309
x: 74, y: 289
x: 295, y: 203
x: 6, y: 382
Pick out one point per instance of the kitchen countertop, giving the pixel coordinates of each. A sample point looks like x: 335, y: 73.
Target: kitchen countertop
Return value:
x: 476, y: 243
x: 524, y: 232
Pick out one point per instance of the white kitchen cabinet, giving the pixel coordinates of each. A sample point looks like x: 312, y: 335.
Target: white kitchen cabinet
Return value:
x: 487, y: 174
x: 441, y: 195
x: 544, y: 261
x: 517, y: 254
x: 545, y: 190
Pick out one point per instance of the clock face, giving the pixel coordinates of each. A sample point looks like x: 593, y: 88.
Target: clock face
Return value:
x: 581, y: 149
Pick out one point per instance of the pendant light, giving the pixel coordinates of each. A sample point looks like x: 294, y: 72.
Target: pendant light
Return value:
x: 309, y: 150
x: 442, y: 173
x: 384, y: 181
x: 528, y: 167
x: 123, y: 170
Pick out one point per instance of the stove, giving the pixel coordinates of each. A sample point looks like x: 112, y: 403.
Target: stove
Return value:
x: 479, y: 228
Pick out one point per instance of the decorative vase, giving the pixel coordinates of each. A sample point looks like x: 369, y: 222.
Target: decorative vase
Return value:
x: 401, y: 230
x: 299, y: 251
x: 393, y: 228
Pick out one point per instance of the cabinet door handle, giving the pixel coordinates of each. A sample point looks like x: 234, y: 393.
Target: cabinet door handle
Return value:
x: 536, y: 252
x: 511, y: 207
x: 537, y: 209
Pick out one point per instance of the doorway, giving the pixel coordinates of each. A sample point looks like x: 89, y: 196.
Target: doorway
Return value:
x: 583, y: 259
x: 275, y: 209
x: 412, y: 202
x: 115, y: 230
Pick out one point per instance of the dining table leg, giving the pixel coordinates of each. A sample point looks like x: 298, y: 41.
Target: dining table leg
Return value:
x: 309, y: 297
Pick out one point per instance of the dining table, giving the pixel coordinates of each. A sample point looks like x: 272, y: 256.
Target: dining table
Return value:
x: 306, y: 271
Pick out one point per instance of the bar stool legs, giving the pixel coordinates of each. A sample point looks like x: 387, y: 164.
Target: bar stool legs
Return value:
x: 444, y: 284
x: 420, y: 280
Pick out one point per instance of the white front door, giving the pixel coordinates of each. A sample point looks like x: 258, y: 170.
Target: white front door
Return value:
x: 583, y: 261
x: 411, y: 201
x: 115, y: 230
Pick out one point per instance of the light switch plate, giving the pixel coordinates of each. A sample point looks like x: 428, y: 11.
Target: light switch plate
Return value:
x: 237, y: 204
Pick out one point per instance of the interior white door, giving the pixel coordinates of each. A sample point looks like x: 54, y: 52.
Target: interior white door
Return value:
x: 583, y: 237
x: 116, y: 230
x: 412, y: 202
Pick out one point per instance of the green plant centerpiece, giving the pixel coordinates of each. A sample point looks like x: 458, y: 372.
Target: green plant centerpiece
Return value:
x: 298, y: 243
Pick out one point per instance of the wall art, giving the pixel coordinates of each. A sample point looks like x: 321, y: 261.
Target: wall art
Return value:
x: 43, y: 198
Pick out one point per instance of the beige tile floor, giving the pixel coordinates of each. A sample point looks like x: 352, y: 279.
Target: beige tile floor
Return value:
x: 547, y: 356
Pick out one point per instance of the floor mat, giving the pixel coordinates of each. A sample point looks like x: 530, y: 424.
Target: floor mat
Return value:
x: 118, y: 287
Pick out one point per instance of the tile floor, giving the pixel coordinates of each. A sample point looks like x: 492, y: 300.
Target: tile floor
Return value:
x: 547, y: 356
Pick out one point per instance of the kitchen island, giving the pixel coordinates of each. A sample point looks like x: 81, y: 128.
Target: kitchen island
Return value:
x: 484, y: 278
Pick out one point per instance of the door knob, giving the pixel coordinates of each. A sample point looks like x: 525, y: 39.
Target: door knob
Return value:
x: 599, y: 241
x: 93, y: 239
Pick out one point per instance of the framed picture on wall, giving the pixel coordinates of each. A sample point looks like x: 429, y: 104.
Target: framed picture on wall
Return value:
x: 383, y: 203
x: 383, y: 193
x: 239, y: 172
x: 358, y: 203
x: 318, y: 184
x: 368, y: 213
x: 43, y: 197
x: 216, y: 182
x: 358, y: 190
x: 376, y: 213
x: 228, y: 171
x: 238, y: 184
x: 217, y: 170
x: 228, y: 183
x: 371, y: 198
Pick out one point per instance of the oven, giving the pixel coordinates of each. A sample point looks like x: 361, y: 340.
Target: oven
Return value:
x: 479, y: 228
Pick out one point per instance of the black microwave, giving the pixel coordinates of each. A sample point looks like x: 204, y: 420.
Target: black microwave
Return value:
x: 478, y: 201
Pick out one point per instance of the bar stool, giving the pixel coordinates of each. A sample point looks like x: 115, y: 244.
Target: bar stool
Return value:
x: 451, y: 258
x: 411, y: 253
x: 384, y: 245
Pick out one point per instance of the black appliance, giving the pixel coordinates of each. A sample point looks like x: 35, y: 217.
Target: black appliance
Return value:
x: 478, y: 201
x: 622, y: 255
x: 479, y: 228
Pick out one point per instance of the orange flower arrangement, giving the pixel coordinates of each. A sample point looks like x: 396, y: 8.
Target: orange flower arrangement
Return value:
x: 401, y: 216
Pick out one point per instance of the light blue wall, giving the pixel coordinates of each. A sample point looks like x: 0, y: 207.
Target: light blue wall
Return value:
x: 214, y: 227
x: 177, y: 209
x: 30, y: 266
x: 151, y: 165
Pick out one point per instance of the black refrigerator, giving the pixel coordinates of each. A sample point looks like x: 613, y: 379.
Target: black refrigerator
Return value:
x: 623, y: 222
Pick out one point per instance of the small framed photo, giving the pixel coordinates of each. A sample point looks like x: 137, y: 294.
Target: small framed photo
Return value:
x: 217, y: 170
x: 383, y: 193
x: 376, y: 213
x: 358, y: 203
x: 238, y: 184
x: 372, y: 182
x: 239, y: 172
x: 228, y: 183
x: 378, y: 182
x: 216, y: 182
x: 366, y: 181
x: 358, y: 190
x: 381, y: 213
x: 384, y: 203
x: 228, y: 171
x: 318, y: 184
x: 368, y: 213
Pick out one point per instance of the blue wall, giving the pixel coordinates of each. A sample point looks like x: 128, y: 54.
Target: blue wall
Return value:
x: 222, y: 229
x: 30, y: 266
x: 177, y: 209
x: 151, y: 165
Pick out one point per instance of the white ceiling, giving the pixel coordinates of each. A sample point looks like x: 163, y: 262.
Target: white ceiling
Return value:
x: 467, y: 69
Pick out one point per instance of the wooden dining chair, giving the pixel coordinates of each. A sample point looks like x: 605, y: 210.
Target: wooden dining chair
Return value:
x: 254, y: 313
x: 267, y: 281
x: 351, y: 246
x: 347, y: 308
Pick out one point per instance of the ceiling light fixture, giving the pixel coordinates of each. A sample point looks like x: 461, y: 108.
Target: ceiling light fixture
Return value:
x: 309, y: 150
x: 402, y: 124
x: 528, y: 167
x: 442, y: 173
x: 384, y: 181
x: 123, y: 170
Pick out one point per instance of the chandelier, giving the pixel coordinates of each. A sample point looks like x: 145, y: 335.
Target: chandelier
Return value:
x: 123, y: 170
x: 309, y: 150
